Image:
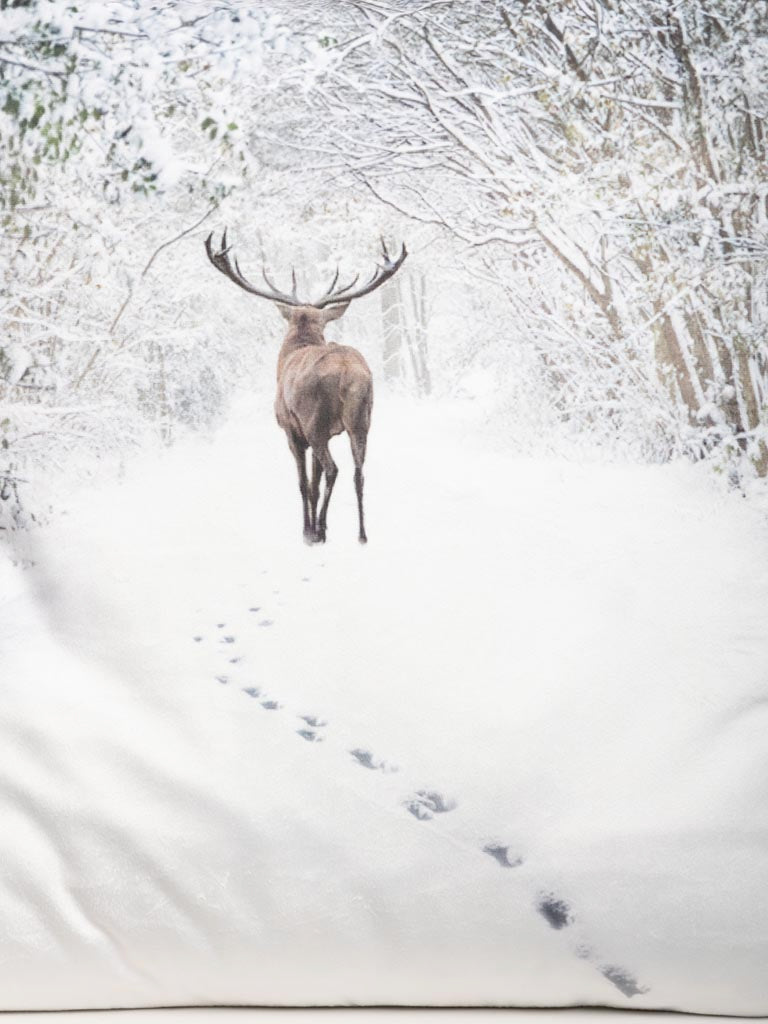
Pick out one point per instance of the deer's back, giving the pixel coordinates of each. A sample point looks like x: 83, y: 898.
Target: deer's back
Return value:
x: 323, y: 390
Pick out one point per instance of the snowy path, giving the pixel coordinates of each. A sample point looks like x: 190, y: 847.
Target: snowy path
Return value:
x: 487, y: 711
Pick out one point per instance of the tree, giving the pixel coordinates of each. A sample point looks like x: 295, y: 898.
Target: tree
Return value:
x: 120, y: 139
x: 614, y: 151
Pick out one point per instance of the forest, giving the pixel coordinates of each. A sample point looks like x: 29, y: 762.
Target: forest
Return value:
x: 582, y: 186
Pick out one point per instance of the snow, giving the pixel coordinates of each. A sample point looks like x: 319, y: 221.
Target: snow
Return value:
x: 511, y: 751
x: 16, y: 360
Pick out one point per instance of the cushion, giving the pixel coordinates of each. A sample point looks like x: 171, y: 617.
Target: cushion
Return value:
x: 511, y: 752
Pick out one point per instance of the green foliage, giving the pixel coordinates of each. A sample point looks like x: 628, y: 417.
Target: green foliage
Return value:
x: 35, y: 68
x: 51, y: 72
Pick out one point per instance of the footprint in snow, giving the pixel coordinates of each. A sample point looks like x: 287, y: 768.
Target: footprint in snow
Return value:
x: 313, y: 720
x: 367, y: 760
x: 427, y: 803
x: 623, y: 980
x: 555, y: 911
x: 502, y: 855
x: 311, y: 734
x: 256, y: 608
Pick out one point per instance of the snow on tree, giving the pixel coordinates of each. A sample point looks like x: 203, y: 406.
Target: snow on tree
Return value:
x: 606, y: 164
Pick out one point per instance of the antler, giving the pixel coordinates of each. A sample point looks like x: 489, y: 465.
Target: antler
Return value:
x: 222, y: 262
x: 332, y: 296
x: 380, y: 275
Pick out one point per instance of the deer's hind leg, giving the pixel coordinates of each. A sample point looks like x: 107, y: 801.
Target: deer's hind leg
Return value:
x: 321, y: 453
x: 314, y: 490
x: 358, y: 443
x: 299, y: 447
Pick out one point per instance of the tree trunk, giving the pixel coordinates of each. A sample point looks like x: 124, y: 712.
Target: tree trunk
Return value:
x: 391, y: 312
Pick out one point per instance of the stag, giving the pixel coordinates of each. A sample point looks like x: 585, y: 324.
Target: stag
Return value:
x: 323, y: 389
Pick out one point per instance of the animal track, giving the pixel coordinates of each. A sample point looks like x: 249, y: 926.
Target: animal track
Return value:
x: 313, y: 720
x: 310, y: 735
x: 426, y: 803
x: 623, y: 980
x: 502, y: 855
x: 555, y: 912
x: 255, y: 692
x: 366, y: 759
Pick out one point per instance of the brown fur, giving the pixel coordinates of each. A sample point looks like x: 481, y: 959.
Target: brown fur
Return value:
x: 323, y: 389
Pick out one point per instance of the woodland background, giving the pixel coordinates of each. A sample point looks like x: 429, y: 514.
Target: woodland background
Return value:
x: 582, y: 185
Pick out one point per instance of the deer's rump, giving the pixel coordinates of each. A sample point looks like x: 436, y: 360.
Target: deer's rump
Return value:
x: 325, y: 392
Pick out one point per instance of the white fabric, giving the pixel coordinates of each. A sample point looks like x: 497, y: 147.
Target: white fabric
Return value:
x: 554, y: 680
x: 348, y: 1015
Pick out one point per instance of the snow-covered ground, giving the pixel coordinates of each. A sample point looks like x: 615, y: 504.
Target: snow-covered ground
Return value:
x: 511, y: 751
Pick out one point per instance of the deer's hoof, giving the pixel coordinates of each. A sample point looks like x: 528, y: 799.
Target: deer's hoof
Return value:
x: 310, y: 537
x: 363, y: 539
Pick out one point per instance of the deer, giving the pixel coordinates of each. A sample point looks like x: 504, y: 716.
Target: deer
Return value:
x: 323, y: 389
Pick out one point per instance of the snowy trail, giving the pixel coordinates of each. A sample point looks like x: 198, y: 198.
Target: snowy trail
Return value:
x: 423, y: 803
x: 508, y: 618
